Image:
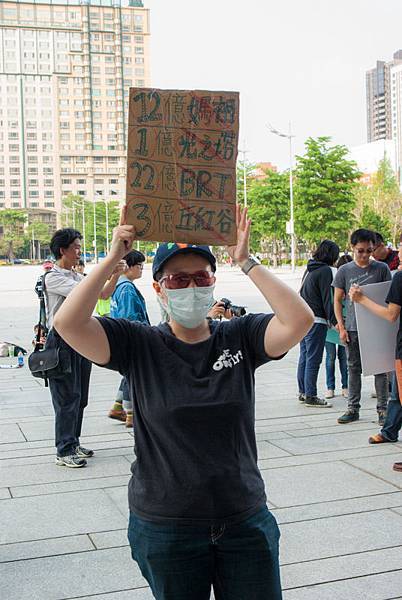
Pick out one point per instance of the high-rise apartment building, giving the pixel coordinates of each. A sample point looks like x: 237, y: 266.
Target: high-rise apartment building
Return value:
x: 378, y: 99
x: 65, y: 72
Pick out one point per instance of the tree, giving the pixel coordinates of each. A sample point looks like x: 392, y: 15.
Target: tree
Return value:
x: 12, y: 222
x: 269, y: 210
x: 73, y: 208
x: 324, y: 192
x: 37, y: 234
x: 371, y: 220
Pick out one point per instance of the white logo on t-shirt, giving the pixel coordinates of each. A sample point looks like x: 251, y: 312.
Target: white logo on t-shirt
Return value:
x: 227, y: 359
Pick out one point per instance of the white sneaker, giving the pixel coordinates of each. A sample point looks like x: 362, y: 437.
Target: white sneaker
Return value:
x: 345, y: 392
x: 329, y: 393
x: 73, y: 461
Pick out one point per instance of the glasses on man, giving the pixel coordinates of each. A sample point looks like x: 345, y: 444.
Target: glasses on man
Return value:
x: 178, y: 281
x: 364, y: 251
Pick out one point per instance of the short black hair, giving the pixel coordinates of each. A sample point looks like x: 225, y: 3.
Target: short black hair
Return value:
x: 362, y: 235
x: 62, y: 238
x: 134, y: 258
x: 327, y: 252
x: 81, y: 263
x: 343, y: 260
x: 378, y: 238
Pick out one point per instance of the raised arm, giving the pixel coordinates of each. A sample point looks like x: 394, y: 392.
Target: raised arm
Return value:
x: 74, y: 320
x: 293, y: 317
x: 110, y: 285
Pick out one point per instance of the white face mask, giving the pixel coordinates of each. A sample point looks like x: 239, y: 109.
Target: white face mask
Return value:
x: 189, y: 306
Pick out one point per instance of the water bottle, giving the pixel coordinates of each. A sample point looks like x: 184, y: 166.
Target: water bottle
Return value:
x: 20, y: 359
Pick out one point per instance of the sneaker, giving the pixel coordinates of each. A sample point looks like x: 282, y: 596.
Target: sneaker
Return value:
x: 345, y: 392
x: 118, y: 415
x: 129, y: 420
x: 330, y: 394
x: 83, y: 452
x: 378, y: 439
x: 381, y: 417
x: 348, y: 417
x: 398, y: 467
x: 301, y: 397
x: 317, y: 402
x: 73, y: 461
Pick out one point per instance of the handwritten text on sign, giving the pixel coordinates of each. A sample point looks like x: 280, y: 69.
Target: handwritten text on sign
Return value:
x: 181, y: 169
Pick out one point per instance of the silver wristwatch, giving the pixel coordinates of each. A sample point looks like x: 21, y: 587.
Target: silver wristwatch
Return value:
x: 251, y: 262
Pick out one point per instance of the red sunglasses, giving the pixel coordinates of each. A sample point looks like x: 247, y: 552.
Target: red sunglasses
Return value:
x: 178, y: 281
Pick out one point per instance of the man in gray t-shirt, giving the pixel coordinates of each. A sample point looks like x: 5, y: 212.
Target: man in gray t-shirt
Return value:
x: 360, y: 271
x: 352, y: 273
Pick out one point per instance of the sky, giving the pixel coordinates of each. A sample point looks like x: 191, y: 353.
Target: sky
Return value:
x: 298, y: 61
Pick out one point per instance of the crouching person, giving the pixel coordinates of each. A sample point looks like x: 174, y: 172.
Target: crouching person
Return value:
x: 198, y: 514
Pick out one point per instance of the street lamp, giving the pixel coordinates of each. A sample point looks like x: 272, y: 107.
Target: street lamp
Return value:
x: 290, y: 226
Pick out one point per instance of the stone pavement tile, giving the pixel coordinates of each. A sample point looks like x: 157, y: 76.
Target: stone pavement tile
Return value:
x: 381, y: 466
x: 41, y: 517
x: 386, y: 586
x: 138, y: 594
x: 333, y: 536
x: 341, y: 567
x: 18, y: 412
x: 119, y: 497
x: 4, y: 493
x: 324, y: 443
x: 103, y: 441
x: 110, y: 539
x: 333, y: 428
x: 91, y: 426
x: 102, y: 449
x: 338, y: 507
x: 41, y: 548
x: 307, y: 484
x: 76, y: 575
x: 95, y: 483
x: 10, y: 433
x: 267, y: 450
x: 11, y: 476
x: 329, y: 457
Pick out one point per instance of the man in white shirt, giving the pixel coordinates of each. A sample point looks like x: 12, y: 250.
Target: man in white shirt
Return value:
x: 70, y: 391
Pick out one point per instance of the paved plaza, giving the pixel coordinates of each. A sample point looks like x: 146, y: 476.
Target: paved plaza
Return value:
x: 63, y: 531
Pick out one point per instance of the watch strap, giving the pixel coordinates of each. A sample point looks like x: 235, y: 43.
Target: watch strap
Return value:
x: 249, y: 264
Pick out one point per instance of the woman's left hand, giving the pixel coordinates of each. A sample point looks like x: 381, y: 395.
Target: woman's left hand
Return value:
x: 240, y: 252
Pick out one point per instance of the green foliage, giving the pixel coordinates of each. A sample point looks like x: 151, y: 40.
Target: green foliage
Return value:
x: 75, y: 207
x: 12, y: 222
x: 372, y: 220
x: 324, y: 192
x: 269, y: 211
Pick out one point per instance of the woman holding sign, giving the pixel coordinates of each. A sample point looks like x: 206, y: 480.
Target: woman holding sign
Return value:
x: 198, y: 514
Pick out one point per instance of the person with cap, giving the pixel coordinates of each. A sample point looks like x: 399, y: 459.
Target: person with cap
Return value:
x: 198, y: 514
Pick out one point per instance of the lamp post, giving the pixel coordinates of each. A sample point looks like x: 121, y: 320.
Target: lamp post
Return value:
x: 290, y: 226
x: 94, y: 243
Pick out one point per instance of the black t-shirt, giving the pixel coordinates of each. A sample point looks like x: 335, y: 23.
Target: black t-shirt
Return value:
x: 395, y: 297
x: 194, y: 419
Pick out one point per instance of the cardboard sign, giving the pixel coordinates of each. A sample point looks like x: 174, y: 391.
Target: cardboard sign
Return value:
x: 377, y: 337
x: 181, y: 165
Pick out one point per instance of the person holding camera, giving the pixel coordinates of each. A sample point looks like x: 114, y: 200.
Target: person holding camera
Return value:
x: 198, y: 514
x: 224, y: 309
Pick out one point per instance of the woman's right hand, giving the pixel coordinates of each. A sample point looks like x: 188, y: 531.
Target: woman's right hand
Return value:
x: 123, y: 238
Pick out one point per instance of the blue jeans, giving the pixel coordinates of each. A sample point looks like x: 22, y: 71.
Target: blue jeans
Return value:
x: 393, y: 420
x: 125, y: 394
x: 182, y: 562
x: 311, y: 352
x: 330, y: 365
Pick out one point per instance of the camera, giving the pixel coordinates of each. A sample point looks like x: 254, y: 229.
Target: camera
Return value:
x: 237, y: 311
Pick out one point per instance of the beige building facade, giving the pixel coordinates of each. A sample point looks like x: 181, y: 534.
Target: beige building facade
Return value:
x: 65, y: 73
